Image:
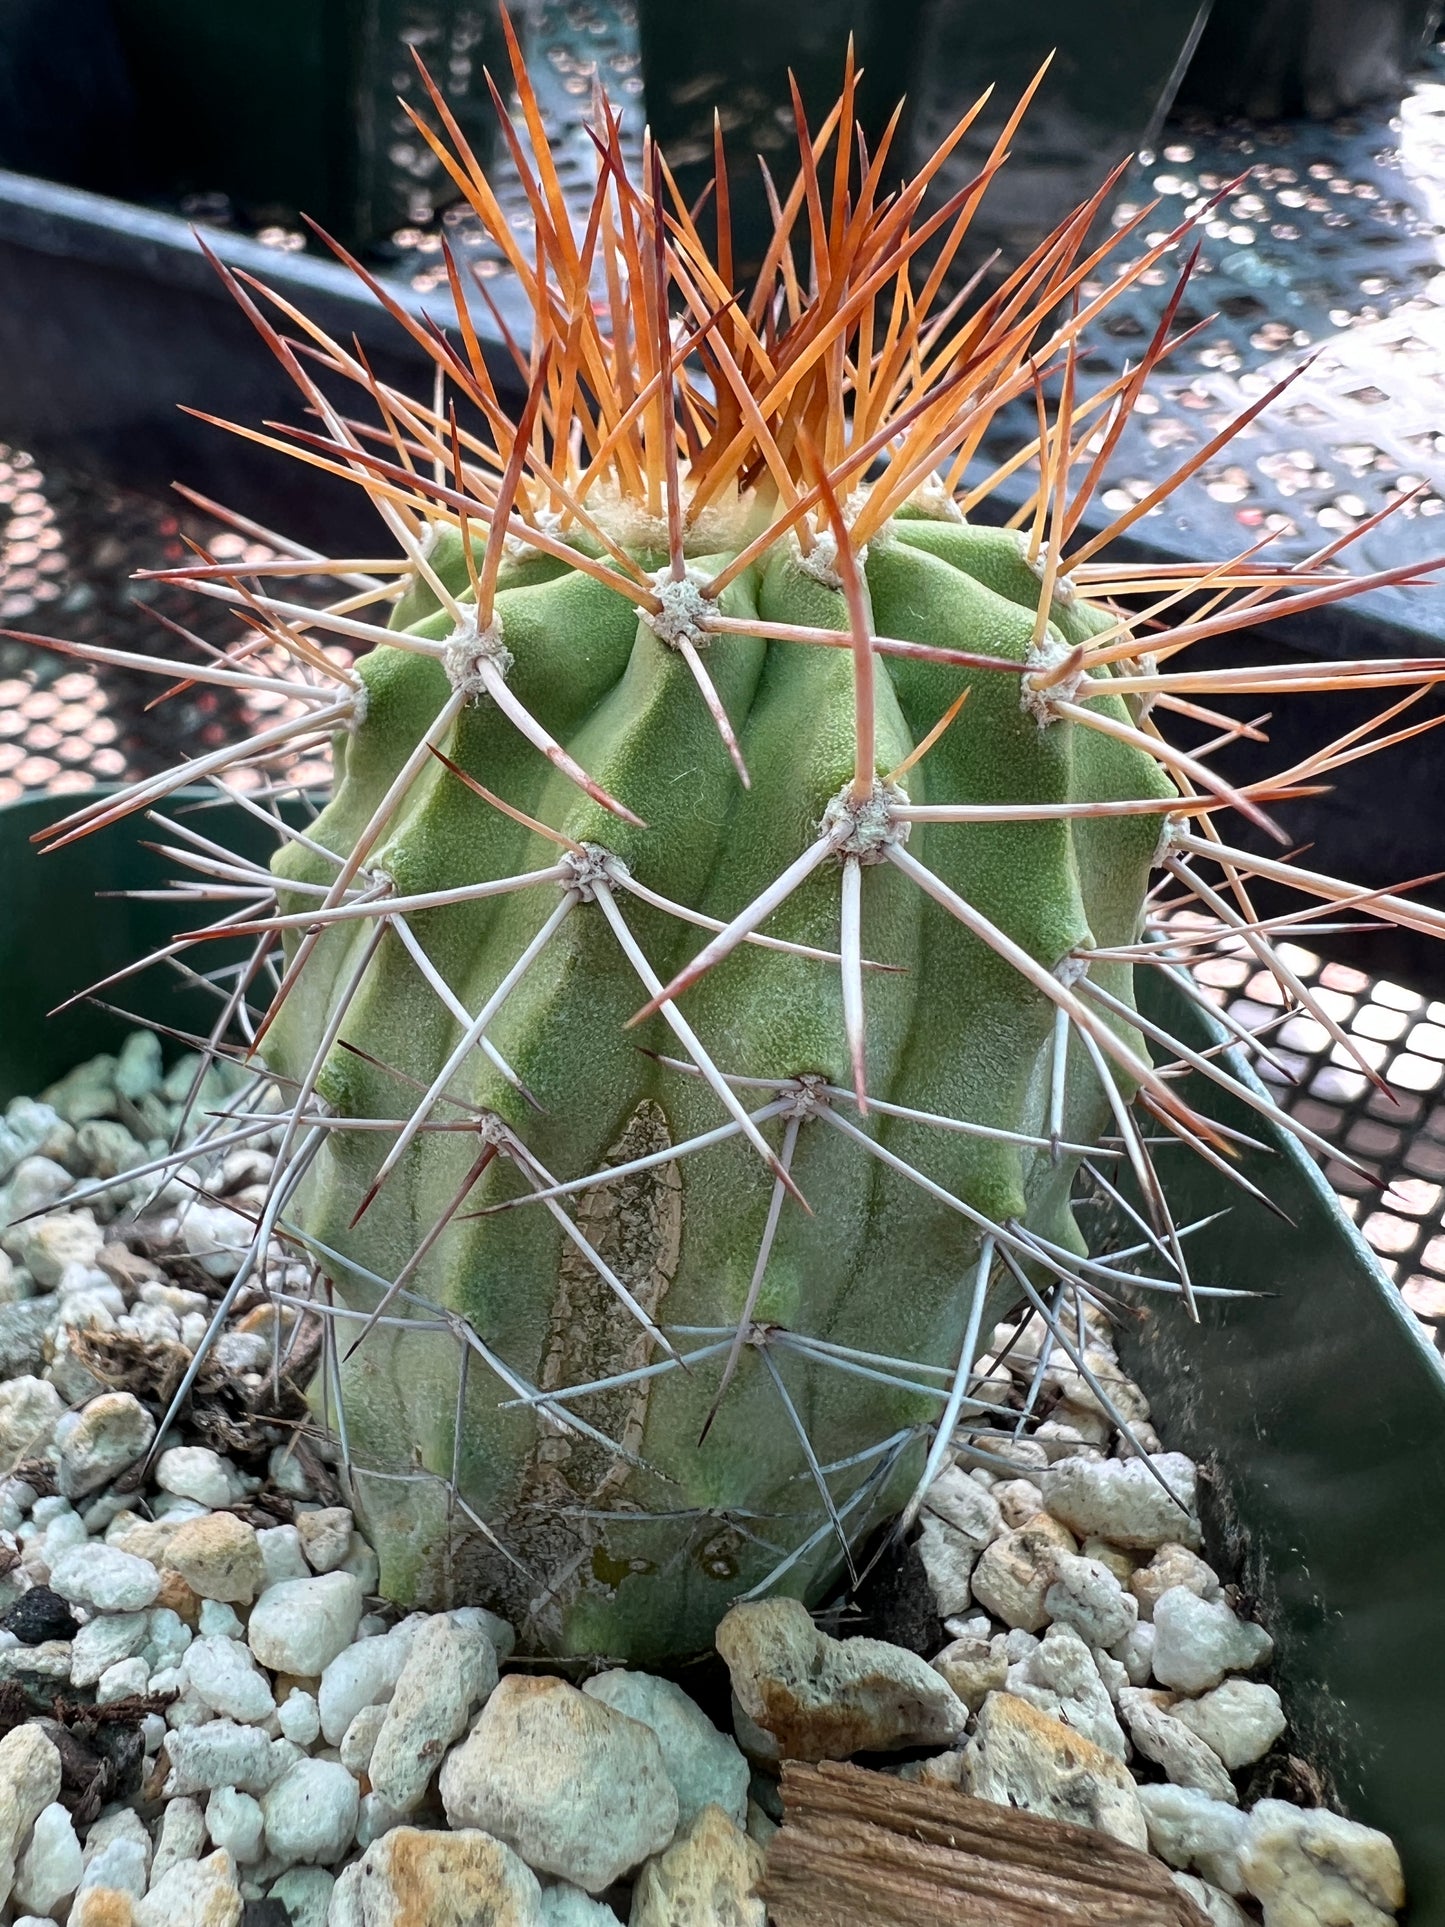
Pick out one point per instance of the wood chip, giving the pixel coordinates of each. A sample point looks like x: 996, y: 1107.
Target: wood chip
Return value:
x: 864, y: 1849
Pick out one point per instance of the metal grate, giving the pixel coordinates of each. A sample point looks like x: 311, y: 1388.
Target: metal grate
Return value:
x: 1380, y: 1098
x: 69, y: 548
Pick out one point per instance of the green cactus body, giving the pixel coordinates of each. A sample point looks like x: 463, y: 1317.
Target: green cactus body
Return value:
x: 687, y: 1017
x: 635, y: 1551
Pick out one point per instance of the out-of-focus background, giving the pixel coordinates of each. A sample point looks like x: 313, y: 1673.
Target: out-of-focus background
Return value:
x: 1308, y: 135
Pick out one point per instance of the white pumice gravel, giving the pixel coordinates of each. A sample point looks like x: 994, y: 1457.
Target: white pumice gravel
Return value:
x: 297, y: 1741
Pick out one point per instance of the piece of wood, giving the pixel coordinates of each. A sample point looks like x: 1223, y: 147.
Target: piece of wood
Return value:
x: 864, y: 1849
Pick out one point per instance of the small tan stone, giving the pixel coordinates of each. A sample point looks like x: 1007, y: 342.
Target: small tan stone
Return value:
x: 817, y: 1698
x: 576, y: 1788
x: 942, y: 1769
x: 1021, y: 1757
x: 182, y: 1597
x: 415, y: 1878
x: 974, y: 1668
x: 1172, y: 1566
x: 29, y: 1782
x: 1307, y: 1866
x: 1121, y: 1562
x: 1015, y: 1572
x: 101, y: 1907
x: 219, y: 1558
x: 325, y: 1535
x: 201, y: 1893
x: 144, y: 1538
x: 705, y: 1879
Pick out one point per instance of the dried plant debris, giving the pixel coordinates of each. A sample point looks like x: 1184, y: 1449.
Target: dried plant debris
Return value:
x: 863, y: 1849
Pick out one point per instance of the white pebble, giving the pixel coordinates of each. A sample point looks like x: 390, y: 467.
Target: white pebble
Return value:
x: 300, y: 1717
x: 1197, y: 1641
x: 123, y: 1681
x: 449, y: 1671
x: 1087, y: 1596
x: 704, y: 1765
x: 359, y: 1740
x: 1308, y: 1865
x: 167, y: 1636
x: 102, y: 1643
x: 217, y: 1237
x: 240, y: 1352
x: 102, y: 1576
x: 122, y: 1865
x: 311, y: 1812
x: 1188, y: 1829
x: 948, y: 1562
x: 281, y: 1554
x: 194, y: 1472
x: 30, y: 1409
x: 1186, y: 1760
x: 222, y: 1673
x: 1215, y: 1905
x: 195, y: 1893
x: 51, y: 1866
x: 301, y: 1625
x: 108, y: 1434
x: 1125, y: 1500
x: 962, y: 1503
x: 360, y: 1676
x: 1061, y: 1679
x: 218, y: 1620
x: 374, y: 1817
x: 219, y: 1753
x: 181, y: 1837
x: 306, y: 1894
x: 1240, y: 1720
x: 284, y: 1470
x: 1136, y: 1653
x: 235, y: 1822
x: 1018, y: 1501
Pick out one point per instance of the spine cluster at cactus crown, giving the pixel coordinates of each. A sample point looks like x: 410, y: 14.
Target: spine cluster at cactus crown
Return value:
x: 686, y: 1020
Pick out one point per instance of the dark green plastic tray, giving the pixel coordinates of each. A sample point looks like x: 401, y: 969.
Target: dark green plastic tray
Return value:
x: 1316, y: 1409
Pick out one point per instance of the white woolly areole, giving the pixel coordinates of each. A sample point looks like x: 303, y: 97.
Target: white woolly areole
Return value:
x: 1041, y: 703
x: 517, y: 548
x: 933, y: 502
x: 360, y: 703
x: 1068, y: 970
x: 1145, y: 664
x: 1168, y: 834
x: 589, y: 867
x: 1065, y: 590
x: 871, y: 825
x: 468, y: 647
x: 821, y: 561
x: 810, y: 1097
x: 684, y: 605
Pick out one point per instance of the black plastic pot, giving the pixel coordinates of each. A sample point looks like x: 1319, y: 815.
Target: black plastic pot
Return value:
x: 279, y: 106
x: 111, y: 319
x: 1115, y: 69
x: 1315, y: 1409
x: 1267, y: 58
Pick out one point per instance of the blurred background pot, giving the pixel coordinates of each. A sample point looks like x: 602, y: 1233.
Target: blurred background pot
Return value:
x: 1267, y: 58
x: 1114, y: 74
x: 253, y: 111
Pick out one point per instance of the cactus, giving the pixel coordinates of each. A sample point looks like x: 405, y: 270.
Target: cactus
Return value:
x: 690, y: 1011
